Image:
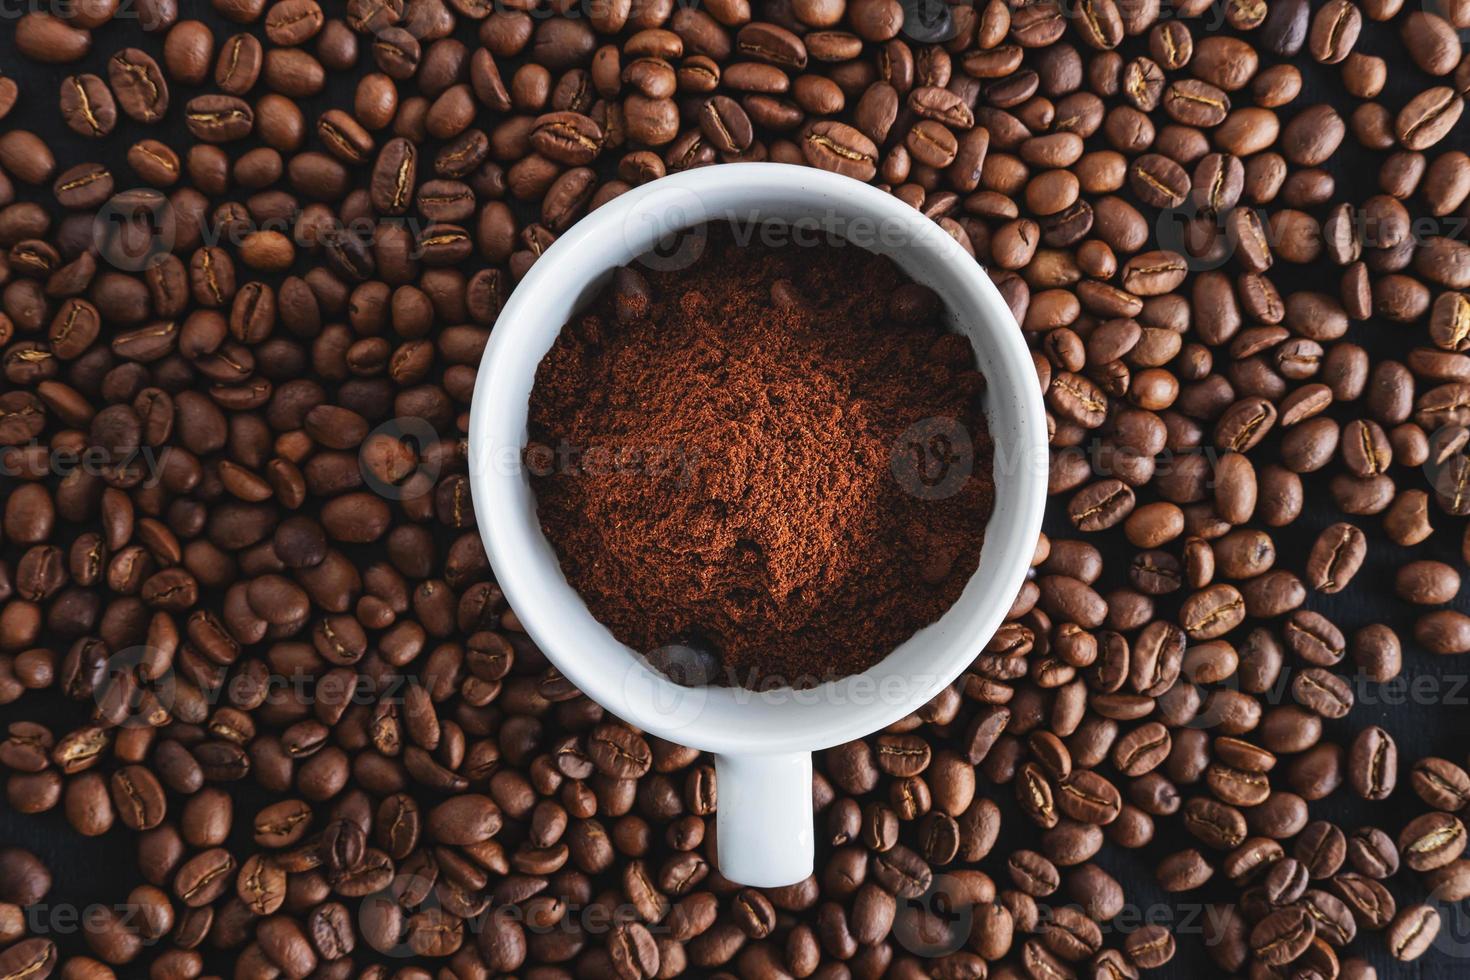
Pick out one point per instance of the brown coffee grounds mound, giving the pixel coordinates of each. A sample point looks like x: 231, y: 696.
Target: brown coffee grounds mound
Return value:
x: 777, y: 454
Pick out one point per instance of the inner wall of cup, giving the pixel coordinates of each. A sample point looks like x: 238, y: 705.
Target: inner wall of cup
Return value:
x: 918, y: 661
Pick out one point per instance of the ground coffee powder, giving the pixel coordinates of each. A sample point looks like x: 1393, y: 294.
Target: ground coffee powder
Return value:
x: 776, y: 455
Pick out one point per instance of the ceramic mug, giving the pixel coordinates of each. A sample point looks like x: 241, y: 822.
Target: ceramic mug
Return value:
x: 762, y: 742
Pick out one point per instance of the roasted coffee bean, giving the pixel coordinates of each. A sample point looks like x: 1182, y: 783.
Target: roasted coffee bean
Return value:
x: 1336, y: 557
x: 1373, y: 853
x: 1334, y: 31
x: 1428, y: 117
x: 726, y: 125
x: 1373, y: 764
x: 567, y: 137
x: 618, y: 752
x: 1159, y: 181
x: 1103, y: 504
x: 1371, y: 903
x: 139, y: 84
x: 1412, y: 932
x: 203, y: 878
x: 219, y: 118
x: 1427, y: 583
x: 1314, y: 638
x: 1440, y: 783
x: 1323, y: 692
x: 33, y: 957
x: 87, y: 106
x: 1184, y: 871
x: 840, y: 148
x: 1321, y: 849
x: 138, y: 798
x: 1282, y: 936
x: 1432, y: 841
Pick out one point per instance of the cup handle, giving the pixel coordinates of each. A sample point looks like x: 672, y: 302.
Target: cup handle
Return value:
x: 763, y: 827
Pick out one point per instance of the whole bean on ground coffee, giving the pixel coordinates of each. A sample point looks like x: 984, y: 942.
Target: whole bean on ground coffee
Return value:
x: 778, y: 456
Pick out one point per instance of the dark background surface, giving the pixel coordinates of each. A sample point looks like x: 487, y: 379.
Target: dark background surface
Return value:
x: 1425, y: 711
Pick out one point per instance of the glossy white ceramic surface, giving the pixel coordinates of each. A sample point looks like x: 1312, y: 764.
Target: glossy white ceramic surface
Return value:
x: 765, y: 827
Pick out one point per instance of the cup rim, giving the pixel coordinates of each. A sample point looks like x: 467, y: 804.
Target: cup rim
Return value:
x: 506, y: 536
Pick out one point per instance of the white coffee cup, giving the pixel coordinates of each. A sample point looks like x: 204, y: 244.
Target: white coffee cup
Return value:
x: 762, y: 742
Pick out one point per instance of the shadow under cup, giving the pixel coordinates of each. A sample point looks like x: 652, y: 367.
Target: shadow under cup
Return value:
x: 662, y: 221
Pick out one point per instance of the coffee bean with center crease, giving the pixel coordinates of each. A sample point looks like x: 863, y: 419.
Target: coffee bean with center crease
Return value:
x: 1369, y: 901
x: 1216, y: 824
x: 204, y: 878
x: 1440, y: 783
x: 1321, y: 848
x: 1283, y: 936
x: 902, y: 872
x: 1212, y: 612
x: 1323, y: 692
x: 1101, y: 505
x: 33, y: 957
x: 139, y: 84
x: 239, y: 63
x: 1373, y: 764
x: 87, y: 106
x: 1158, y: 181
x: 1432, y: 840
x: 1373, y: 853
x: 1413, y: 932
x: 1334, y: 31
x: 725, y: 124
x: 633, y: 951
x: 219, y: 118
x: 1428, y: 117
x: 838, y: 147
x: 1314, y: 638
x: 567, y: 137
x: 1335, y: 558
x: 618, y: 751
x: 138, y: 797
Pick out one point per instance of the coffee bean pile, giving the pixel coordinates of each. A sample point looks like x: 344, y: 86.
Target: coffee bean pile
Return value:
x: 248, y: 631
